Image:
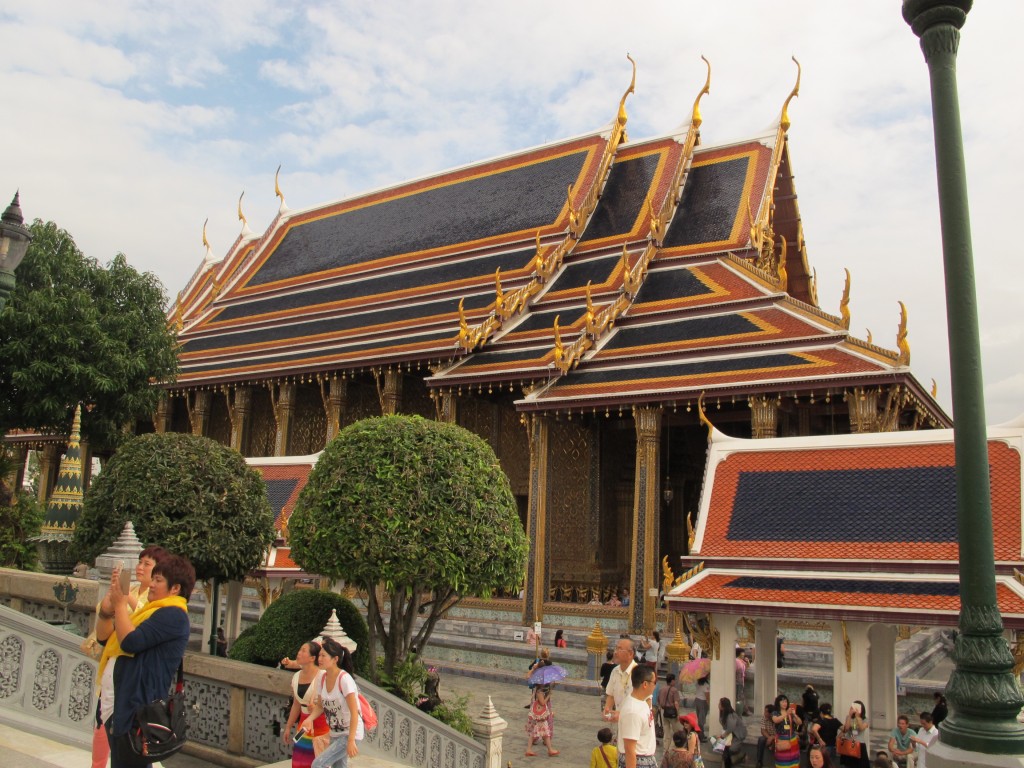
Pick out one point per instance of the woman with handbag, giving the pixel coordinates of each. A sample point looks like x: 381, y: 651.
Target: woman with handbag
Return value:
x: 691, y: 729
x: 337, y: 698
x: 667, y: 702
x: 852, y: 742
x: 142, y: 650
x: 304, y: 685
x: 787, y: 739
x: 734, y: 731
x: 540, y: 722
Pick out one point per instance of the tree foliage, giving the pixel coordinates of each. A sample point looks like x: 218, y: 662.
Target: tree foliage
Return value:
x: 189, y: 494
x: 296, y: 618
x: 75, y: 331
x: 417, y: 507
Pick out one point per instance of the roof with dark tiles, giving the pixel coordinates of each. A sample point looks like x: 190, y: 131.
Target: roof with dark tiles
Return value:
x: 848, y: 526
x: 285, y: 479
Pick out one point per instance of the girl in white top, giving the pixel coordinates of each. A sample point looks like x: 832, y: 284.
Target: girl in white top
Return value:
x: 338, y: 699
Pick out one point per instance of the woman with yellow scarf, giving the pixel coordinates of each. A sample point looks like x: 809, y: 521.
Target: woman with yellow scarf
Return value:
x: 142, y: 650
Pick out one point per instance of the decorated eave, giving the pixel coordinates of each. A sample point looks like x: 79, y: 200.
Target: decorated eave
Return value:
x: 851, y: 527
x: 285, y: 477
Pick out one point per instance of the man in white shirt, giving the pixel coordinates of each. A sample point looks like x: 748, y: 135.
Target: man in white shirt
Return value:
x: 925, y: 738
x: 620, y: 684
x: 637, y: 742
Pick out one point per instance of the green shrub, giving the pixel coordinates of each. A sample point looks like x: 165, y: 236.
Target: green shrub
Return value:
x: 18, y: 523
x: 407, y: 681
x: 452, y: 712
x: 297, y: 618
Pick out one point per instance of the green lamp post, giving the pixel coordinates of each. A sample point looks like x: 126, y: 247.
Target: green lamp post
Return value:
x: 983, y: 693
x: 14, y: 240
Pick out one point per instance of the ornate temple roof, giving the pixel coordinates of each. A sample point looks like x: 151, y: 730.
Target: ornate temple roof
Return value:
x: 589, y: 272
x: 848, y: 526
x: 285, y: 478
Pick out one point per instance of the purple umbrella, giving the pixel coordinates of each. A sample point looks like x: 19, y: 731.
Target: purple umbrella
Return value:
x: 547, y: 674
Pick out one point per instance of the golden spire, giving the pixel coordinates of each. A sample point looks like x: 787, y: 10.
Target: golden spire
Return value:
x: 784, y: 120
x: 901, y: 338
x: 844, y: 303
x: 622, y: 117
x: 559, y: 348
x: 695, y: 118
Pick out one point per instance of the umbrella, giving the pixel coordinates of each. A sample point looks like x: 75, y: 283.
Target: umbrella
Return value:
x: 694, y: 670
x: 547, y: 674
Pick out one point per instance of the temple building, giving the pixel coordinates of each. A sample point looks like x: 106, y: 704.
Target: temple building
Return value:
x: 569, y: 303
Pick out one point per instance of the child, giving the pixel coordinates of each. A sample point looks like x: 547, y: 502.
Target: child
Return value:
x: 605, y: 755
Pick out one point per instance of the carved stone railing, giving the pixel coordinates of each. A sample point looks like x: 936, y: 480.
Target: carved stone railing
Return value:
x: 233, y: 707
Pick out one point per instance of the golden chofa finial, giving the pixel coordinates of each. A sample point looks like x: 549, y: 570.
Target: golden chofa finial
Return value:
x: 632, y: 89
x: 844, y: 303
x: 901, y: 338
x: 784, y: 120
x: 241, y: 216
x: 463, y: 325
x: 499, y: 295
x: 206, y: 243
x: 559, y: 348
x: 870, y: 338
x: 935, y: 388
x: 704, y: 417
x: 783, y: 274
x: 695, y: 118
x: 277, y: 191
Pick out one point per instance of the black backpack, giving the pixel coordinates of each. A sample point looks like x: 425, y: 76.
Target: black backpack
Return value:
x: 158, y: 729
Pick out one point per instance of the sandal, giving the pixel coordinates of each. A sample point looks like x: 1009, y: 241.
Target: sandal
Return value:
x: 531, y: 754
x: 553, y: 752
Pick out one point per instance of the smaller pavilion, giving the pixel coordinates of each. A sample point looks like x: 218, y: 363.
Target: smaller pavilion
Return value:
x: 855, y: 532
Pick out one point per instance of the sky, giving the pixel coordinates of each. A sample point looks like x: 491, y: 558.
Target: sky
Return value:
x: 131, y: 123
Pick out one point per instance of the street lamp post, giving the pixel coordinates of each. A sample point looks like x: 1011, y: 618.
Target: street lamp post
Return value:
x: 14, y: 240
x: 983, y: 693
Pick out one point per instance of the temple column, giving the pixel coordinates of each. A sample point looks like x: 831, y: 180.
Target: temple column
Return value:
x: 849, y: 665
x: 233, y: 611
x: 391, y: 399
x: 766, y: 668
x: 645, y: 568
x: 284, y: 412
x: 162, y: 416
x: 764, y: 416
x: 536, y: 588
x: 199, y: 412
x: 334, y: 405
x: 447, y: 407
x: 241, y: 413
x: 862, y: 404
x: 48, y: 458
x: 882, y: 708
x: 723, y: 664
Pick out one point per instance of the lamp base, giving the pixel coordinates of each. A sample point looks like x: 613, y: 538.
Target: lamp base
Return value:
x: 944, y: 756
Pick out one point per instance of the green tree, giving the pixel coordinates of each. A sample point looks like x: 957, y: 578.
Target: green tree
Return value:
x: 189, y: 494
x: 21, y: 516
x: 418, y: 508
x: 75, y: 331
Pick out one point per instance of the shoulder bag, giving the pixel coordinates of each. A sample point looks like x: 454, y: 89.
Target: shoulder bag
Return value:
x: 847, y: 746
x: 158, y: 729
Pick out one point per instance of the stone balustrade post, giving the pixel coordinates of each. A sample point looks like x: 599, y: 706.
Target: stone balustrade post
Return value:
x: 488, y: 728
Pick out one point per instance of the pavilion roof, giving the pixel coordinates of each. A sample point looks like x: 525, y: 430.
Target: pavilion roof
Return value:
x: 285, y: 477
x: 847, y: 526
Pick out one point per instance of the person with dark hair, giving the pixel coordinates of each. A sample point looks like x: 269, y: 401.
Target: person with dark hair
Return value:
x: 605, y: 673
x: 560, y: 640
x: 142, y: 650
x: 677, y: 756
x: 637, y: 742
x: 809, y: 699
x: 818, y: 757
x: 138, y: 596
x: 304, y: 685
x: 540, y: 721
x: 734, y: 731
x: 337, y: 698
x: 941, y: 710
x: 604, y: 755
x: 766, y: 740
x: 702, y: 705
x: 926, y: 736
x: 787, y: 742
x: 855, y: 727
x: 668, y: 702
x: 825, y: 729
x: 901, y: 745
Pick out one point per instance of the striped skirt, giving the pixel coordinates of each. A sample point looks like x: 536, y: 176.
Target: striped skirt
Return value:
x: 787, y: 751
x: 302, y: 752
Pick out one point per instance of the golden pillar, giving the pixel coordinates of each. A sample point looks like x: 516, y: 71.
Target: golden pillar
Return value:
x: 862, y: 404
x: 285, y: 411
x: 334, y: 405
x: 536, y: 588
x: 391, y: 400
x: 644, y: 572
x: 199, y: 412
x: 47, y: 464
x: 764, y: 416
x: 241, y: 413
x: 447, y: 407
x: 162, y: 417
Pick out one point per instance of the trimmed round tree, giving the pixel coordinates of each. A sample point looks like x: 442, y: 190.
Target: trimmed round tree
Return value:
x: 419, y: 508
x: 189, y: 494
